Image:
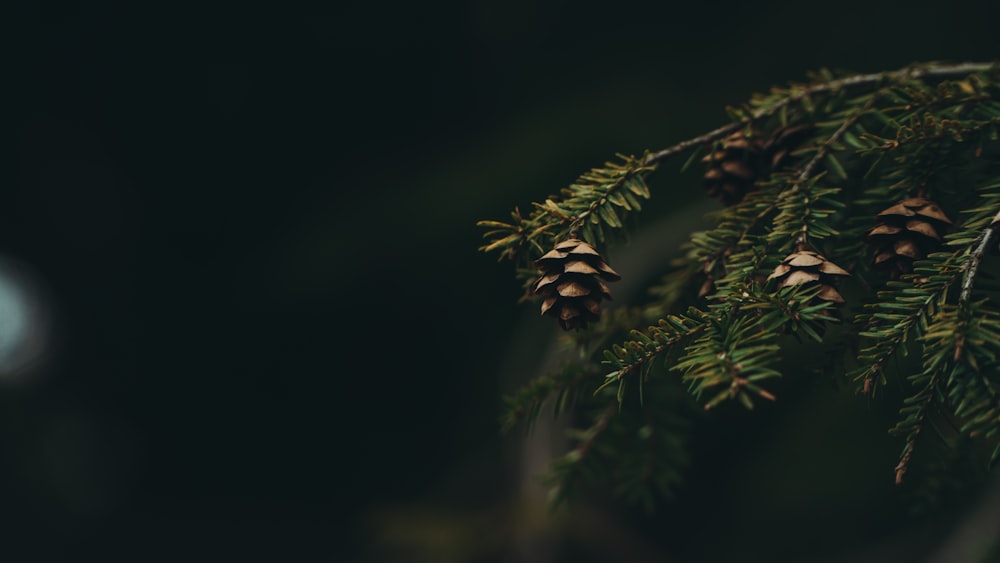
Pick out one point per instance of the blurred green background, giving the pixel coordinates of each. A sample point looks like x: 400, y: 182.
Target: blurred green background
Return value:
x: 241, y: 243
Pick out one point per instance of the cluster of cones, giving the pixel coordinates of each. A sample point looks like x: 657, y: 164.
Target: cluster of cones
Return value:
x: 903, y: 233
x: 574, y: 277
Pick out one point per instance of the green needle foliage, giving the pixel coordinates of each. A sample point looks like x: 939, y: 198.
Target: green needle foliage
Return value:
x: 761, y: 280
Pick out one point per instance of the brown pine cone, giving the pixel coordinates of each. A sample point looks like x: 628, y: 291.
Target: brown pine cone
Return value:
x: 739, y: 160
x: 808, y: 267
x: 733, y: 167
x: 572, y: 283
x: 906, y: 232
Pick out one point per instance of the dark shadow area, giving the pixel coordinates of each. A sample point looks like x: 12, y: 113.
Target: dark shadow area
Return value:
x: 262, y: 328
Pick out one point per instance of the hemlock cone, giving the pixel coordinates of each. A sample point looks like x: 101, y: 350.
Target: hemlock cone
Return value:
x: 733, y: 167
x: 572, y: 283
x: 739, y: 161
x: 808, y: 267
x: 906, y: 232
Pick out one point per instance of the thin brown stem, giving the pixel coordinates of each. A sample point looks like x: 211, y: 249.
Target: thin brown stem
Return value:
x: 911, y: 438
x: 597, y: 429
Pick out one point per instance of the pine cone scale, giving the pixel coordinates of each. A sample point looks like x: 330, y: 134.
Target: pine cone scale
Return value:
x: 572, y: 289
x: 580, y: 267
x: 922, y: 227
x: 800, y: 276
x: 828, y: 293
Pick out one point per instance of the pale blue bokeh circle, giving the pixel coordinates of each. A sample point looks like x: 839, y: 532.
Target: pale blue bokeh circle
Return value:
x: 24, y: 320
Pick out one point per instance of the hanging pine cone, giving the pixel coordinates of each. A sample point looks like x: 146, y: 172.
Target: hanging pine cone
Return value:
x: 572, y: 283
x: 739, y: 161
x: 778, y: 148
x: 733, y: 167
x: 808, y: 267
x: 906, y: 232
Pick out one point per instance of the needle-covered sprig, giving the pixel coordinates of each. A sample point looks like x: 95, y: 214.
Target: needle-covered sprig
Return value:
x: 867, y: 201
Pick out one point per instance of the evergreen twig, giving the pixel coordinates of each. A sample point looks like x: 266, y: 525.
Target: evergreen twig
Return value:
x: 975, y: 257
x: 862, y: 145
x: 914, y: 72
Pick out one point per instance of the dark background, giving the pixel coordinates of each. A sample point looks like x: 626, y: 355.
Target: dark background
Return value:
x: 254, y: 229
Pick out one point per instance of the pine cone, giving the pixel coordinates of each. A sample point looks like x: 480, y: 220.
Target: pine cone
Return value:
x: 807, y: 267
x: 572, y: 283
x: 733, y: 167
x: 906, y: 232
x: 778, y: 148
x: 739, y: 161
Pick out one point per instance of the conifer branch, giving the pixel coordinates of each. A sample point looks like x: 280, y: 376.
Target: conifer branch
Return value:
x: 921, y: 403
x: 937, y: 363
x: 557, y: 388
x: 941, y: 130
x: 833, y: 140
x: 594, y: 432
x: 733, y: 355
x: 975, y: 257
x: 914, y: 72
x: 896, y: 327
x: 670, y: 331
x: 782, y: 197
x: 597, y: 199
x: 699, y: 141
x: 908, y: 305
x: 805, y: 218
x: 570, y: 465
x: 945, y: 342
x: 802, y: 169
x: 617, y: 186
x: 947, y: 366
x: 594, y: 206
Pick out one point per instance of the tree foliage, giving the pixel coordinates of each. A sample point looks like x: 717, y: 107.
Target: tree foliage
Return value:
x: 716, y: 327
